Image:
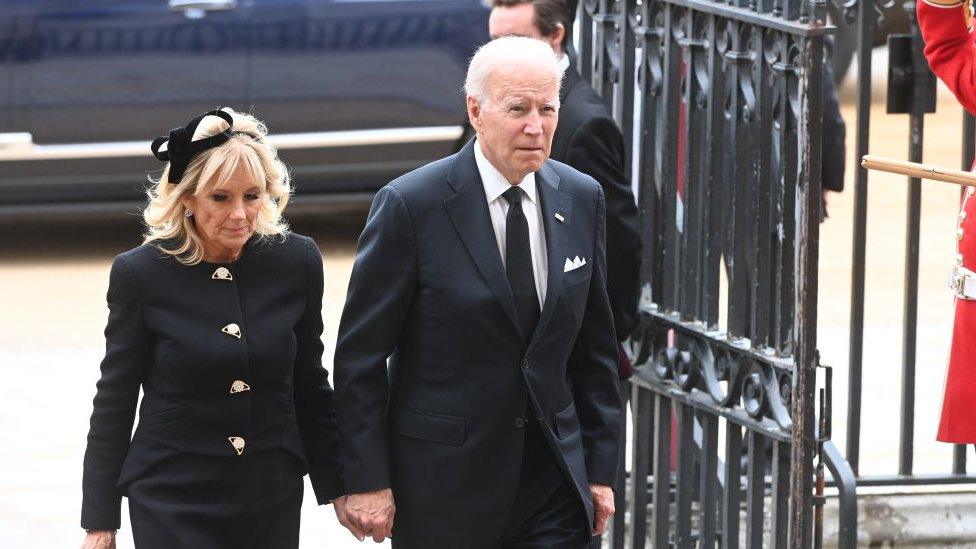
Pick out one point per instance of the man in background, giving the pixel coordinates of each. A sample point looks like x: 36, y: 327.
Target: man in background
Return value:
x: 834, y: 149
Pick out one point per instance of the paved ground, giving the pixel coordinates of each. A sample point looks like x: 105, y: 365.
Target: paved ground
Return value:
x: 52, y: 287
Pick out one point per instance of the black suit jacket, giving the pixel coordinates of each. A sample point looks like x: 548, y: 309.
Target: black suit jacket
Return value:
x: 588, y: 139
x: 164, y: 334
x: 429, y: 291
x: 834, y: 150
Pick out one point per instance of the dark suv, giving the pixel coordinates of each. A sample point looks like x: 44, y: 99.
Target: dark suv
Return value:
x: 355, y: 92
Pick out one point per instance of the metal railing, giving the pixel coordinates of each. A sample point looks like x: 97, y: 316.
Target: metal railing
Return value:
x: 911, y: 91
x: 726, y: 101
x: 720, y: 103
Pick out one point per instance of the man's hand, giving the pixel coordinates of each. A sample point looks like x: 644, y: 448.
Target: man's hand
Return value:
x: 602, y: 507
x: 371, y: 514
x: 340, y: 510
x: 99, y: 539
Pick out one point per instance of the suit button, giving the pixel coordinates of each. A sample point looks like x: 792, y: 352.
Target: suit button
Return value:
x: 525, y: 364
x: 519, y: 422
x: 237, y: 443
x: 222, y: 274
x: 232, y: 330
x: 239, y: 387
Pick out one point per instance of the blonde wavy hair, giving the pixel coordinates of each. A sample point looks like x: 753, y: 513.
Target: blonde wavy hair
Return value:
x: 167, y: 224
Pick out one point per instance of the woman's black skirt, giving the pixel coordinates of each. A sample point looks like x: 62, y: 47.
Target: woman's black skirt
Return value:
x: 214, y: 502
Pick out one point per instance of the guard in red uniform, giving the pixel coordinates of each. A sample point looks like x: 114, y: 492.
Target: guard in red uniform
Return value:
x: 950, y: 48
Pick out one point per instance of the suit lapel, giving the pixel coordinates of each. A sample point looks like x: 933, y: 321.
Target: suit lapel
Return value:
x: 468, y: 210
x: 554, y: 201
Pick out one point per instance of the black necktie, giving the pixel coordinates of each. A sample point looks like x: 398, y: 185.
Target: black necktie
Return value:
x: 518, y: 263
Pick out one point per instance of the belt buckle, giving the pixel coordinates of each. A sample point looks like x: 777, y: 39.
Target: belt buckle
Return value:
x: 967, y: 286
x: 962, y: 282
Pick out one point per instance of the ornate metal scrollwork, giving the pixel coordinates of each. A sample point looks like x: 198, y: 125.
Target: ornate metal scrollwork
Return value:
x: 849, y: 11
x: 687, y: 367
x: 650, y: 40
x: 718, y: 373
x: 722, y: 377
x: 754, y: 391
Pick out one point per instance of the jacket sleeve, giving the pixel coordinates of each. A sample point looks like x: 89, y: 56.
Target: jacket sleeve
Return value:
x: 949, y: 47
x: 314, y: 398
x: 381, y: 290
x: 597, y: 149
x: 593, y: 371
x: 127, y: 346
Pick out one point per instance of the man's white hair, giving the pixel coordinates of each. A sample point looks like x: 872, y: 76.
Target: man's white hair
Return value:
x: 506, y: 52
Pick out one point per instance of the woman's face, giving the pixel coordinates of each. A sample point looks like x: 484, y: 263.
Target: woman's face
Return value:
x: 225, y: 217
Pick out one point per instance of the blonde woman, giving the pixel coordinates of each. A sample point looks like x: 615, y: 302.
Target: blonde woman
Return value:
x: 217, y: 318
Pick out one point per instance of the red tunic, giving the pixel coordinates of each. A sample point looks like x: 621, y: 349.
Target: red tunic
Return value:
x: 951, y: 52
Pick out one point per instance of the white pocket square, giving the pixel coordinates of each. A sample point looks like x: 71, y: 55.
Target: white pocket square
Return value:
x: 574, y: 263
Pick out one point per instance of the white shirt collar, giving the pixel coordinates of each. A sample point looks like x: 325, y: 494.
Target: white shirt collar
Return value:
x: 564, y: 62
x: 495, y: 183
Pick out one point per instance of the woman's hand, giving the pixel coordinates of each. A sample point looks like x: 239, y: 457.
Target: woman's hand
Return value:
x: 99, y: 539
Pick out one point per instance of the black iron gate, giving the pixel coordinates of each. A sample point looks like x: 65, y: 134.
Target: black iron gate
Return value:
x: 726, y: 100
x: 720, y: 103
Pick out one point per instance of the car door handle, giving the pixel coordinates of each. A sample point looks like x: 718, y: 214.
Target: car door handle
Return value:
x: 202, y: 5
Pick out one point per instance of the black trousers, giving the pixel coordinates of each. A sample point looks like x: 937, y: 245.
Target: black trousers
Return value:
x: 205, y: 502
x: 547, y: 513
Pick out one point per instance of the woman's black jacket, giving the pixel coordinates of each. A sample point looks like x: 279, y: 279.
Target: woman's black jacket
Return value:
x: 229, y: 359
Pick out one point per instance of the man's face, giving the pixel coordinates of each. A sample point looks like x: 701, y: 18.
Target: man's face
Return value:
x: 516, y: 124
x: 519, y: 20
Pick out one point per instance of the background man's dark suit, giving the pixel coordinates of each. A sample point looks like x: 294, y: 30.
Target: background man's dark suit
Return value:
x: 588, y: 139
x: 834, y: 150
x: 445, y: 429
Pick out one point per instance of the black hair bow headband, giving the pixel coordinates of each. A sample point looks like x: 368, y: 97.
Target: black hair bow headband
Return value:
x: 180, y: 149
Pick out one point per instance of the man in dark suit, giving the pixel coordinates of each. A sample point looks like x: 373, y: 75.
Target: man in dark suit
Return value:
x: 588, y: 139
x: 482, y: 277
x: 833, y: 154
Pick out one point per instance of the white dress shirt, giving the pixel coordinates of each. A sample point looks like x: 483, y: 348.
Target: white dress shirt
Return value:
x: 495, y: 185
